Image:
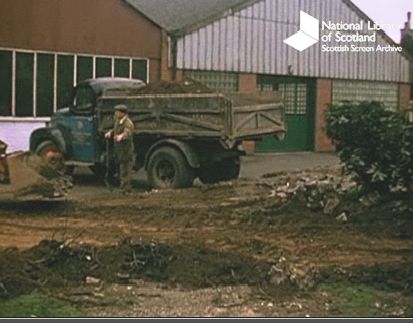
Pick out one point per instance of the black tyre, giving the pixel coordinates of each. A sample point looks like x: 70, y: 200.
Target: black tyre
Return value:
x: 226, y: 170
x: 168, y: 168
x: 49, y: 152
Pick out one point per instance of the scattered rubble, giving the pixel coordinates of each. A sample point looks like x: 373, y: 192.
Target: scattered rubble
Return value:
x: 342, y: 217
x: 318, y: 189
x: 303, y: 276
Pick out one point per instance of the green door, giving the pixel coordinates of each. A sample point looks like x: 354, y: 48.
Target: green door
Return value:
x: 298, y: 97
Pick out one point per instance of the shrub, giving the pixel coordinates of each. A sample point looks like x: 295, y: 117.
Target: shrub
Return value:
x: 373, y: 143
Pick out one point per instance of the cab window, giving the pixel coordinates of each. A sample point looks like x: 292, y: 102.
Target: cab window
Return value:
x: 84, y: 100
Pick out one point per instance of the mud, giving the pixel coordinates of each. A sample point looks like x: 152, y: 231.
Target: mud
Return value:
x: 249, y: 248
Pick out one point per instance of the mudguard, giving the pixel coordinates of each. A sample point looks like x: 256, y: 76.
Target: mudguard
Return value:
x: 190, y: 155
x: 54, y: 134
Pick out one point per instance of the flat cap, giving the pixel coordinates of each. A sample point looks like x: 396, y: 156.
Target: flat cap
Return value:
x: 121, y: 108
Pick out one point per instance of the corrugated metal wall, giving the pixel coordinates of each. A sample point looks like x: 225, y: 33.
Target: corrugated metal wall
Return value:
x: 251, y: 41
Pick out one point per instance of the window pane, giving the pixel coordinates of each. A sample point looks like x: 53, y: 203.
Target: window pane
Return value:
x: 103, y: 67
x: 5, y: 83
x: 122, y: 68
x: 220, y: 81
x: 65, y: 66
x: 358, y: 91
x: 84, y: 68
x: 45, y: 85
x: 24, y: 85
x: 139, y: 70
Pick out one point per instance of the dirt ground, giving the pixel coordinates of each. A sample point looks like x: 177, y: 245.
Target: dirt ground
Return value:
x: 265, y: 246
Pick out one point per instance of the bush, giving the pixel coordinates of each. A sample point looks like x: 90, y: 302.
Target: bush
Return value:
x: 373, y: 143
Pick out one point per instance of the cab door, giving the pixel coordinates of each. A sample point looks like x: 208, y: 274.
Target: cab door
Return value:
x: 84, y: 135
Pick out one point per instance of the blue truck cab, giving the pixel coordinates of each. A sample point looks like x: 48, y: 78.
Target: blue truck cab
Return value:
x: 72, y: 134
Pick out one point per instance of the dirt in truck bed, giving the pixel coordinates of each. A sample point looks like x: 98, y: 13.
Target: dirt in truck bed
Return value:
x: 175, y: 87
x: 287, y: 244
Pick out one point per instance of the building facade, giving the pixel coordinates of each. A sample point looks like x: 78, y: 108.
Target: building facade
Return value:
x: 241, y: 48
x: 48, y: 46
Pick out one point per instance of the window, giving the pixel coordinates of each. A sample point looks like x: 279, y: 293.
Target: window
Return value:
x: 220, y: 81
x: 140, y: 70
x: 84, y: 100
x: 122, y: 67
x: 5, y: 83
x: 24, y: 84
x: 65, y: 66
x: 44, y: 81
x: 103, y: 67
x: 84, y: 68
x: 294, y: 93
x: 358, y: 91
x: 45, y: 85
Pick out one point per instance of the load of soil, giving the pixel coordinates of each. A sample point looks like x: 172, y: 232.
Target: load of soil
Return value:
x: 175, y: 87
x: 53, y: 264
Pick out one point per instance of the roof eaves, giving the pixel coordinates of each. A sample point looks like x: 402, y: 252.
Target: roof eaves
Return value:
x: 130, y: 5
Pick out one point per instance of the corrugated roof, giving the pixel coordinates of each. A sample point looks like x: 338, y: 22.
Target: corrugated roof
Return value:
x: 176, y: 15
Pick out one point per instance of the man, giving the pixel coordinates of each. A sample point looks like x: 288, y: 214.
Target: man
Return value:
x: 122, y: 134
x: 4, y: 174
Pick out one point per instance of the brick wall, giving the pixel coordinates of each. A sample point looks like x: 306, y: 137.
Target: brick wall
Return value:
x: 248, y: 83
x: 165, y: 71
x: 324, y: 97
x: 404, y: 95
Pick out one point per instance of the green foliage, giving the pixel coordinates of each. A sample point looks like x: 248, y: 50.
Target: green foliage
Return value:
x: 37, y: 305
x: 356, y: 300
x: 374, y: 143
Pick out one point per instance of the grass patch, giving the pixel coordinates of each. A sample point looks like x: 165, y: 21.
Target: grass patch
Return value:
x: 353, y: 300
x: 358, y: 300
x: 37, y: 305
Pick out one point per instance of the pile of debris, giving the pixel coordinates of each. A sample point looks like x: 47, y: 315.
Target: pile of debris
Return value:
x: 319, y: 189
x: 301, y: 276
x: 24, y: 175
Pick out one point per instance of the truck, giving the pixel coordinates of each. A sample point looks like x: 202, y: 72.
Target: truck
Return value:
x: 178, y: 136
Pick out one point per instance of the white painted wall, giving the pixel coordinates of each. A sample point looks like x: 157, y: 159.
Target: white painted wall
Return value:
x: 17, y: 133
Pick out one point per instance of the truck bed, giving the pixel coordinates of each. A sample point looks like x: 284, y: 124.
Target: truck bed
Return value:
x: 205, y: 116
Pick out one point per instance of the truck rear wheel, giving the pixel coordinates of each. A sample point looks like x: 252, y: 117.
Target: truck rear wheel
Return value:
x: 226, y: 170
x: 168, y: 168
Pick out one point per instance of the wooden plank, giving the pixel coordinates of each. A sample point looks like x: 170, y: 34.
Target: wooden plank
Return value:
x: 193, y: 122
x: 245, y: 121
x: 259, y: 132
x: 271, y: 119
x: 258, y: 108
x: 179, y: 133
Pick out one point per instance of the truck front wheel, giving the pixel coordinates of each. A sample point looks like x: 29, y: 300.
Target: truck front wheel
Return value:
x: 49, y: 152
x: 168, y: 168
